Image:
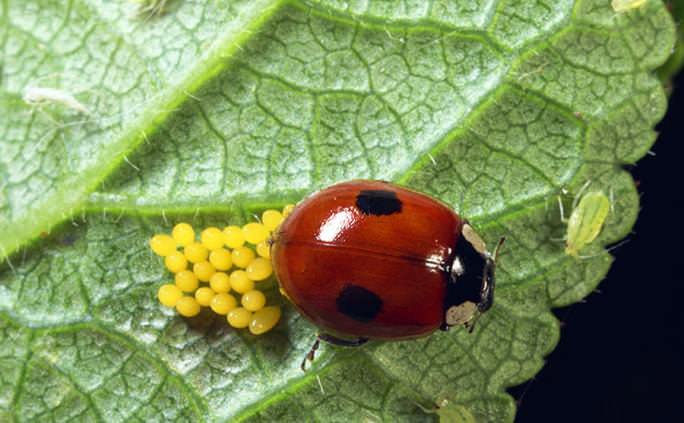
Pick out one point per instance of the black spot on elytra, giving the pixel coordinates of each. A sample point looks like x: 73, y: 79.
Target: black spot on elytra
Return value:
x: 378, y: 202
x: 358, y: 303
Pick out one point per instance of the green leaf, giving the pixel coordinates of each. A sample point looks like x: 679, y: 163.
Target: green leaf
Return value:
x: 213, y: 111
x: 674, y: 64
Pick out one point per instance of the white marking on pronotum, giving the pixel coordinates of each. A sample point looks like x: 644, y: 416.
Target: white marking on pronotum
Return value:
x: 42, y: 95
x: 474, y: 239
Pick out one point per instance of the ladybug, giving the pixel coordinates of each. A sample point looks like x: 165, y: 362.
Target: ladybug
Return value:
x: 372, y: 260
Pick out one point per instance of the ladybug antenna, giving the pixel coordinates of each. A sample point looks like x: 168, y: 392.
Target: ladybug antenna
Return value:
x: 495, y: 256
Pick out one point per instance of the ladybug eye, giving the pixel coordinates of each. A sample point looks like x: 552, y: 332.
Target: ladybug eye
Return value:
x: 474, y: 239
x: 460, y: 314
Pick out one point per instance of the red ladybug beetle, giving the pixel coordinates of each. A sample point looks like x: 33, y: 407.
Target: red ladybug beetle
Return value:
x: 371, y: 260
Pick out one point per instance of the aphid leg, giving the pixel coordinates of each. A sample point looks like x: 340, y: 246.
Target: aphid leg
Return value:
x: 578, y: 196
x: 607, y: 250
x: 562, y: 210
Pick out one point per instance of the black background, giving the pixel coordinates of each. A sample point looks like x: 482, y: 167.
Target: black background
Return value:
x: 621, y: 353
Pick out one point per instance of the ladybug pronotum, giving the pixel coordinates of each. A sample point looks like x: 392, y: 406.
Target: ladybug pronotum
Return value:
x: 371, y: 260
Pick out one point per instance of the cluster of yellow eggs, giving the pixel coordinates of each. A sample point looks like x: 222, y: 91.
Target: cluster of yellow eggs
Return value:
x: 206, y: 272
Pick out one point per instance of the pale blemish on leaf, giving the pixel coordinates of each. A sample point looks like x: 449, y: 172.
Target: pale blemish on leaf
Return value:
x: 36, y: 96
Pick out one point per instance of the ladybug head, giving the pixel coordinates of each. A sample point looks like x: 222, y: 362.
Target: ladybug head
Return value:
x: 470, y: 291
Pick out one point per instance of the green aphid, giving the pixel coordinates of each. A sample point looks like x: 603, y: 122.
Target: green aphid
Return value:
x: 450, y: 413
x: 586, y: 221
x: 621, y: 6
x: 455, y: 414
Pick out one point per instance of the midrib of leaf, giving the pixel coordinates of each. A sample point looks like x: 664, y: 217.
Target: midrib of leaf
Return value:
x: 73, y: 193
x: 117, y: 204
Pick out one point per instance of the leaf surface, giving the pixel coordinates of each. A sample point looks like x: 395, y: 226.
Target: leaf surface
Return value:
x: 213, y: 111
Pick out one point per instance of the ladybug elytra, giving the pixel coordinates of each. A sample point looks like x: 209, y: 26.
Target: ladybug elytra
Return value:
x: 372, y: 260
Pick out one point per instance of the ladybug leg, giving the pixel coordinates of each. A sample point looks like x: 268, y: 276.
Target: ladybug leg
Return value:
x: 311, y: 354
x: 331, y: 340
x: 342, y: 342
x: 470, y: 324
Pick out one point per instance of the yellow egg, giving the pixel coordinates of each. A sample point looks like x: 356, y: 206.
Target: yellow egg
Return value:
x: 253, y: 300
x: 223, y: 303
x: 203, y: 270
x: 239, y: 317
x: 162, y: 245
x: 259, y: 269
x: 186, y: 280
x: 255, y: 233
x: 219, y: 282
x: 234, y: 236
x: 169, y: 295
x: 213, y: 238
x: 176, y: 262
x: 240, y: 282
x: 264, y: 320
x: 242, y: 256
x: 288, y: 209
x: 204, y: 296
x: 272, y: 219
x: 264, y: 249
x: 196, y: 252
x: 221, y: 259
x: 188, y: 307
x: 183, y: 234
